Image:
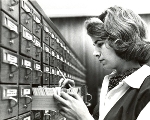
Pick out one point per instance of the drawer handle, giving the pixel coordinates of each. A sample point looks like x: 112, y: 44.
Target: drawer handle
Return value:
x: 29, y: 17
x: 15, y: 2
x: 11, y: 8
x: 11, y: 73
x: 38, y: 27
x: 27, y: 74
x: 47, y: 73
x: 10, y: 110
x: 90, y: 96
x: 28, y: 49
x: 12, y: 38
x: 38, y: 51
x: 40, y: 73
x: 29, y: 69
x: 47, y: 37
x: 26, y: 105
x: 47, y: 114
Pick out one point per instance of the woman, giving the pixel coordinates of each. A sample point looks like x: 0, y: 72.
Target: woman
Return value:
x: 120, y: 40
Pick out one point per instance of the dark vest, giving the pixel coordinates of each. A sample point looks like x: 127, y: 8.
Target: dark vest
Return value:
x: 129, y: 106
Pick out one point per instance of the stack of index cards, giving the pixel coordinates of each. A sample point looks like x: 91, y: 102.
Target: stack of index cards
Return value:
x: 45, y: 91
x: 43, y: 98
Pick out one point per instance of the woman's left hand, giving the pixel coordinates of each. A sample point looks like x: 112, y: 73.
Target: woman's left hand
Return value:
x: 72, y: 106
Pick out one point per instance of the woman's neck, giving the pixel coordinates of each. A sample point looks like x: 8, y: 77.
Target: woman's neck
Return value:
x: 126, y: 66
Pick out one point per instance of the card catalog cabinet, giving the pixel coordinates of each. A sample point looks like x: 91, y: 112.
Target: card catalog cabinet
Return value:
x: 31, y: 49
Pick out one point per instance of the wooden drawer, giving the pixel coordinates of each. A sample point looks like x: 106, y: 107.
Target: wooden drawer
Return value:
x: 9, y: 64
x: 37, y: 49
x: 26, y: 14
x: 26, y: 116
x: 46, y: 54
x: 37, y: 24
x: 26, y: 42
x: 37, y: 72
x: 25, y: 71
x: 9, y: 33
x: 8, y: 101
x: 46, y: 33
x: 11, y: 7
x: 25, y: 98
x: 46, y: 74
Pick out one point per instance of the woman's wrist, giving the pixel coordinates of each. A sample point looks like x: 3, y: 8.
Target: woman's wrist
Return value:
x: 87, y: 117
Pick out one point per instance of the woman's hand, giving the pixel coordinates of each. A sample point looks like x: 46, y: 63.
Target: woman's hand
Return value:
x: 64, y: 82
x: 72, y: 106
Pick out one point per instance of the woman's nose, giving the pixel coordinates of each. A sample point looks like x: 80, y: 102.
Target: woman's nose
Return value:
x: 96, y: 54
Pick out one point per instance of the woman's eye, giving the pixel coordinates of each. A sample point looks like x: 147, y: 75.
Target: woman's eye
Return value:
x: 100, y: 44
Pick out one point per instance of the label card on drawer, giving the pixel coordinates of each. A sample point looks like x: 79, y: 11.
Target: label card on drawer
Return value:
x: 37, y: 43
x: 52, y: 35
x: 11, y: 92
x: 27, y: 34
x: 26, y: 63
x: 46, y: 69
x: 46, y: 49
x: 11, y: 25
x: 46, y: 29
x: 26, y: 8
x: 26, y: 91
x: 53, y: 70
x: 37, y: 67
x: 36, y: 19
x: 53, y: 53
x: 27, y: 118
x: 9, y: 58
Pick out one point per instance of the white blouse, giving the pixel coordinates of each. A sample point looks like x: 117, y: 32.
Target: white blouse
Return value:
x: 108, y: 99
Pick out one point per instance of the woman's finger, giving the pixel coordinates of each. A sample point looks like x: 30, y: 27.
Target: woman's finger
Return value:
x: 60, y: 99
x: 60, y: 82
x: 75, y: 95
x: 66, y: 96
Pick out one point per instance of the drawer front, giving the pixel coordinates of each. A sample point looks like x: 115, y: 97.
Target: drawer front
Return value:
x: 36, y: 115
x: 11, y: 7
x: 53, y: 60
x: 37, y: 72
x: 9, y: 33
x: 53, y: 41
x: 46, y: 33
x: 14, y: 118
x: 46, y: 74
x: 37, y: 24
x: 26, y: 69
x: 37, y: 49
x: 46, y: 115
x: 46, y: 54
x: 26, y: 116
x: 25, y: 98
x: 53, y: 76
x: 9, y: 66
x: 26, y: 14
x: 26, y: 42
x: 8, y: 101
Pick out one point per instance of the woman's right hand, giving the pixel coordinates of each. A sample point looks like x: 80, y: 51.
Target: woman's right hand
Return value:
x: 65, y: 83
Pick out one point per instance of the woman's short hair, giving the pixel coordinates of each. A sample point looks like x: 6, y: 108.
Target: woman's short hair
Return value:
x: 125, y: 32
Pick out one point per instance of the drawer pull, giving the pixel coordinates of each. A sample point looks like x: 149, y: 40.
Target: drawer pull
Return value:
x: 10, y: 110
x: 15, y: 2
x: 11, y: 75
x: 27, y: 74
x: 11, y: 8
x: 12, y: 38
x: 26, y: 105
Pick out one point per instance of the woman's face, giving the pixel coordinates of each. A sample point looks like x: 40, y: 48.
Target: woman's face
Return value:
x: 106, y: 54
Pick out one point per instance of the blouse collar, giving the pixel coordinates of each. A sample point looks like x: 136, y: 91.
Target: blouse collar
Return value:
x: 136, y: 79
